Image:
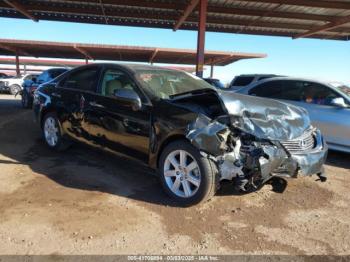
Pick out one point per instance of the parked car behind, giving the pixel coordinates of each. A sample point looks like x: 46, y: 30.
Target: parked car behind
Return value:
x: 328, y: 105
x: 31, y: 85
x: 245, y: 80
x: 215, y: 82
x: 2, y: 75
x: 14, y: 84
x: 194, y: 135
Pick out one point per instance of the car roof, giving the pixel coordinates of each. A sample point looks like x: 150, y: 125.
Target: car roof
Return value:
x: 287, y: 78
x: 255, y: 75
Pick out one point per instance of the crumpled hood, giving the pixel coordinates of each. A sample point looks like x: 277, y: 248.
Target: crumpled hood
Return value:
x: 266, y: 118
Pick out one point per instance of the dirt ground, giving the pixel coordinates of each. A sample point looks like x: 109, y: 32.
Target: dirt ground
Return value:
x: 85, y: 201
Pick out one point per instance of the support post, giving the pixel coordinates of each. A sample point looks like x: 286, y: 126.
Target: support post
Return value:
x: 24, y: 69
x: 18, y: 71
x: 86, y: 60
x: 211, y: 70
x: 203, y: 4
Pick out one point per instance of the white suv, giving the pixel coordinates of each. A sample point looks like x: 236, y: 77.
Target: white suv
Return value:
x: 244, y: 80
x: 14, y: 85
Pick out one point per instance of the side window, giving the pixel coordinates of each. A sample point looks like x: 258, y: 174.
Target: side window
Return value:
x: 114, y: 80
x: 270, y: 90
x: 292, y: 90
x: 42, y: 77
x: 55, y: 73
x: 85, y: 79
x: 315, y: 93
x: 243, y: 80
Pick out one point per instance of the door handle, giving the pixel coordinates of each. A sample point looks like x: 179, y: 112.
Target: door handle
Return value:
x: 93, y: 103
x: 56, y: 95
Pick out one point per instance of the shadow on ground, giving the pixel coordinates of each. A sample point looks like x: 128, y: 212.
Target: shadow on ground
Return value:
x: 338, y: 159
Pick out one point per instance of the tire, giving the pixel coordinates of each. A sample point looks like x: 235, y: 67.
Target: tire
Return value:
x: 52, y: 133
x: 14, y: 89
x: 202, y: 182
x: 26, y: 102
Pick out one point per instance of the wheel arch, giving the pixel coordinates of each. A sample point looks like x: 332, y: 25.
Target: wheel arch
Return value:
x: 166, y: 142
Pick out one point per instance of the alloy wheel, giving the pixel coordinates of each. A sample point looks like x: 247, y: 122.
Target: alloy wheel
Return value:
x: 182, y: 173
x: 51, y: 131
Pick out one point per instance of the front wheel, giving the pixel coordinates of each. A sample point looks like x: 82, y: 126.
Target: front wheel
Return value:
x: 26, y: 101
x: 186, y: 175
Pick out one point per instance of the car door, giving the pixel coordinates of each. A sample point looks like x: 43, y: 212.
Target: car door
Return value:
x: 72, y: 99
x: 114, y: 122
x: 333, y: 121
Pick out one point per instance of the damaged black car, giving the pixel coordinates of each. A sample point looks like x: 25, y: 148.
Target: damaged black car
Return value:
x: 194, y: 136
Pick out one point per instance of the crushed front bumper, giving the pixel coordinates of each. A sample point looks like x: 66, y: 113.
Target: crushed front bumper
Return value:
x: 303, y: 163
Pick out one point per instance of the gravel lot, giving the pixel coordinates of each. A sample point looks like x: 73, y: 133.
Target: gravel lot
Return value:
x: 85, y: 201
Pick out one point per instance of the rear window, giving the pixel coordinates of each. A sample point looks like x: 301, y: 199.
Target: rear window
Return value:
x: 242, y: 80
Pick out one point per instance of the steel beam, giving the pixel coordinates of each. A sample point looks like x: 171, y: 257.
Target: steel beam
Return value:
x: 203, y: 4
x: 20, y: 8
x: 153, y: 56
x: 329, y: 26
x: 83, y: 52
x: 189, y: 9
x: 18, y: 71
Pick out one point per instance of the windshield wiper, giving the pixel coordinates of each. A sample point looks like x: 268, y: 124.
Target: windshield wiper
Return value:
x: 191, y: 93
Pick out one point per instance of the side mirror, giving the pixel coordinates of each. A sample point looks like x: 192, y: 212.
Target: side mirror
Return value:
x: 129, y: 97
x: 339, y: 102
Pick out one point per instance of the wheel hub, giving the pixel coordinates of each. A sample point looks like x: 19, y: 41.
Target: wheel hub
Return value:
x: 182, y: 174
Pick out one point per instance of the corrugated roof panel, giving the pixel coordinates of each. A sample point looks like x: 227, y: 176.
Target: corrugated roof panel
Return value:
x: 164, y: 13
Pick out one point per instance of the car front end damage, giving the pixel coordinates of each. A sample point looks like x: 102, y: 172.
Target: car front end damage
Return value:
x: 259, y: 139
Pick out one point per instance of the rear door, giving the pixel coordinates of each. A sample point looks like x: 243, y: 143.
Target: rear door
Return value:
x: 114, y: 123
x: 72, y: 97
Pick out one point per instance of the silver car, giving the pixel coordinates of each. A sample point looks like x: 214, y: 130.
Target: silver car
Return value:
x: 328, y: 104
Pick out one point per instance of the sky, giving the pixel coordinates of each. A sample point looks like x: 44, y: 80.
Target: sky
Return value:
x: 326, y: 60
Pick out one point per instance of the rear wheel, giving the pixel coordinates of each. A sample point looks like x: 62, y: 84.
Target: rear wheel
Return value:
x: 26, y: 103
x: 186, y: 175
x: 14, y: 89
x: 52, y: 133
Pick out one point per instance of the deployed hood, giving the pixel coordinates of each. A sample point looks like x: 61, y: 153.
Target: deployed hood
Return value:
x: 265, y: 118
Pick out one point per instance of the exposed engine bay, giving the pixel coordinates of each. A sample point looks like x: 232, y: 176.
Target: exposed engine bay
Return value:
x: 250, y: 143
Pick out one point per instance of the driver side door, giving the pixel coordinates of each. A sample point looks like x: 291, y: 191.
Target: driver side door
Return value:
x: 116, y: 124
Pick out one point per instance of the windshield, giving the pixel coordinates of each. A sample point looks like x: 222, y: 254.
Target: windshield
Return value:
x: 167, y: 83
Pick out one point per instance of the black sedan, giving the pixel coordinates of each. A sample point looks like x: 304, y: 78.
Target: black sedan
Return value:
x: 179, y: 125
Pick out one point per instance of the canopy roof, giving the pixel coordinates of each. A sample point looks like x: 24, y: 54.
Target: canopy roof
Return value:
x: 324, y: 19
x: 117, y: 52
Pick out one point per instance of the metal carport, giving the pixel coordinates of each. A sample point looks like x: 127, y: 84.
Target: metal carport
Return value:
x: 116, y: 53
x: 321, y: 19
